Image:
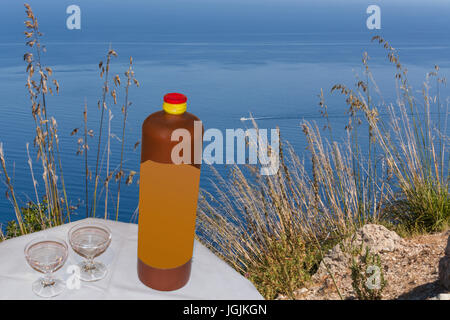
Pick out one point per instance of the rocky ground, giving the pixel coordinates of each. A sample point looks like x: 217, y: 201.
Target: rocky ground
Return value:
x: 411, y: 266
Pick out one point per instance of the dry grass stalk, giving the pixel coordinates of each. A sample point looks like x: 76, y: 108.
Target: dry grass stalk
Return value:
x: 253, y: 219
x: 104, y: 72
x: 85, y: 149
x: 39, y: 84
x: 108, y: 175
x: 261, y: 225
x: 130, y: 78
x: 83, y: 146
x: 11, y: 196
x: 35, y: 183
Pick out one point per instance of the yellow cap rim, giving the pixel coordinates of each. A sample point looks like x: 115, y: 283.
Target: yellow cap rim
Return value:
x: 178, y: 108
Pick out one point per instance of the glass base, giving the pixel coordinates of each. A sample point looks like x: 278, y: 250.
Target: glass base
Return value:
x: 92, y: 271
x: 47, y: 288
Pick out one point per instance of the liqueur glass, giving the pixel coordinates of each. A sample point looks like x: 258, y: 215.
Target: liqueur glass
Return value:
x: 89, y: 240
x: 47, y: 255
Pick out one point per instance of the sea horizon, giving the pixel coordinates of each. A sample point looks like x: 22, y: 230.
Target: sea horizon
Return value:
x: 276, y: 76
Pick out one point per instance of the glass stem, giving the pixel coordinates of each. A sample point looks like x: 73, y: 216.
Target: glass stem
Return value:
x: 47, y: 280
x: 90, y: 264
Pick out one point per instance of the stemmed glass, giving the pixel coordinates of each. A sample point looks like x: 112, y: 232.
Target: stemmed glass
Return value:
x: 89, y: 240
x: 47, y: 255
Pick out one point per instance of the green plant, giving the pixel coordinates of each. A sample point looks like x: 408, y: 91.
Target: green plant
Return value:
x: 30, y: 217
x: 367, y: 275
x: 283, y: 268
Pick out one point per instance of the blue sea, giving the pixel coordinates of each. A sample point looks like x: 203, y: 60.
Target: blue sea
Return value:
x: 268, y: 58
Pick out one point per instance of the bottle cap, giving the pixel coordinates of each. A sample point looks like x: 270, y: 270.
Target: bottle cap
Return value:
x: 175, y: 103
x: 175, y: 98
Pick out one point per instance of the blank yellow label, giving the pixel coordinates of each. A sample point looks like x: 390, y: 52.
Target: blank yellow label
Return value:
x: 168, y: 195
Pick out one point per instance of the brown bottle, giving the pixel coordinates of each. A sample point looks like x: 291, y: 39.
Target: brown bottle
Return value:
x: 168, y: 194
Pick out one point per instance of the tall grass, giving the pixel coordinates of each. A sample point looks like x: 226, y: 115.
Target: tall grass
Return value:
x: 275, y: 229
x: 415, y: 148
x: 39, y: 86
x: 117, y: 173
x: 129, y: 74
x: 104, y: 72
x: 272, y: 229
x: 52, y: 207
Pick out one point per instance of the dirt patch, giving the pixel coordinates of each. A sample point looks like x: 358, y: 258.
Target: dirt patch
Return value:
x: 411, y: 266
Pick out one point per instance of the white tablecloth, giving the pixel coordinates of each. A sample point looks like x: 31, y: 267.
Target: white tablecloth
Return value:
x: 211, y: 278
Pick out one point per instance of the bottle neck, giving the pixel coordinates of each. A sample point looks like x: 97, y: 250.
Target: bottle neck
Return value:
x: 175, y: 109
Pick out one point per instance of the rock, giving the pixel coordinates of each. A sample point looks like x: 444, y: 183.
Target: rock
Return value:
x: 444, y: 296
x: 444, y: 267
x: 411, y: 268
x: 376, y: 237
x: 447, y: 249
x: 302, y: 291
x: 334, y: 260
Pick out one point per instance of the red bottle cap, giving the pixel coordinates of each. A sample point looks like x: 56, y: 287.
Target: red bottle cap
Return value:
x: 175, y: 98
